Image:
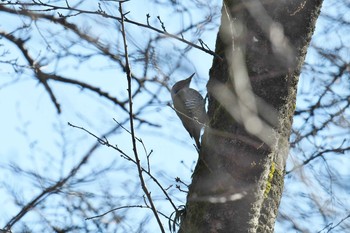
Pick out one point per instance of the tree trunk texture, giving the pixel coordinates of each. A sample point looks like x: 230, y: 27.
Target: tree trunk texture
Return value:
x: 238, y: 181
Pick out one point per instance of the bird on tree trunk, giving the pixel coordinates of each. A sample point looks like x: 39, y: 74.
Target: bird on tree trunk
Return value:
x: 190, y: 107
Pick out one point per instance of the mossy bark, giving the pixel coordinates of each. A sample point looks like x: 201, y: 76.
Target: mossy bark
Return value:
x: 238, y: 181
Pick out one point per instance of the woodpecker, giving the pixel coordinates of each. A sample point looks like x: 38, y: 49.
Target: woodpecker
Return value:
x: 190, y: 107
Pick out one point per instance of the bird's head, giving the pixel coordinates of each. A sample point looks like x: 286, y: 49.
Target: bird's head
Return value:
x: 181, y: 84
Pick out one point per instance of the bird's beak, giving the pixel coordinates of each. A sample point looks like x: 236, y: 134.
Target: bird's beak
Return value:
x: 190, y: 78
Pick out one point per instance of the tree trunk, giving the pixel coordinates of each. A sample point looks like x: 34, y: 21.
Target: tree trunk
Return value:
x: 238, y: 181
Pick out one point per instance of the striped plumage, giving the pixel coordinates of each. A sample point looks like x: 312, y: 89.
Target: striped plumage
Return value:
x: 190, y: 107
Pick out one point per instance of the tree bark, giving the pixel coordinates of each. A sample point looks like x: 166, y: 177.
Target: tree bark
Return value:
x: 238, y: 181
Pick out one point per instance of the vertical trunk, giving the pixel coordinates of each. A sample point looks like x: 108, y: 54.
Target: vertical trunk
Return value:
x: 238, y: 181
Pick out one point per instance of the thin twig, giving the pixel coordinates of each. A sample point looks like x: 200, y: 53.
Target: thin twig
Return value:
x: 132, y: 130
x: 55, y: 187
x: 31, y: 13
x: 104, y: 141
